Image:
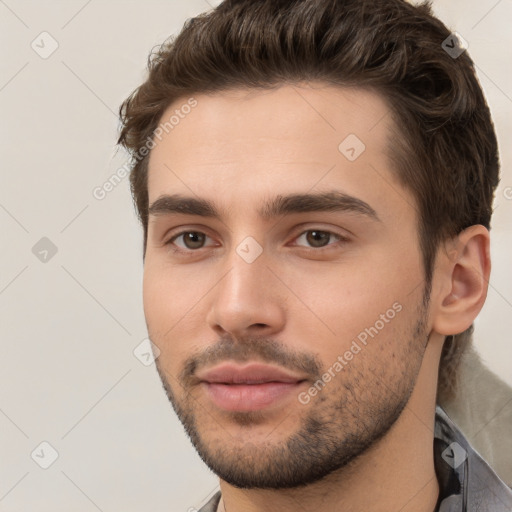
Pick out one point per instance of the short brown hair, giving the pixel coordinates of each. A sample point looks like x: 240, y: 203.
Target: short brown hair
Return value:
x: 444, y: 146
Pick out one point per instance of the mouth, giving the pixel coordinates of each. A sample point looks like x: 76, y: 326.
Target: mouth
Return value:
x: 251, y: 387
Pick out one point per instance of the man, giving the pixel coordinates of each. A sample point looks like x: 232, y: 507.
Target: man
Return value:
x: 315, y: 182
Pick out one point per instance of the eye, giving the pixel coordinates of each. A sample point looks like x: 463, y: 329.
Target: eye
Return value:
x: 192, y: 240
x: 317, y: 238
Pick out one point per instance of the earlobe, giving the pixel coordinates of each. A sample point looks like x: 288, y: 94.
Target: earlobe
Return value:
x: 465, y: 278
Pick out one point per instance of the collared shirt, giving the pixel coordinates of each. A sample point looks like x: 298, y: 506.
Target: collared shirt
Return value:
x: 466, y: 482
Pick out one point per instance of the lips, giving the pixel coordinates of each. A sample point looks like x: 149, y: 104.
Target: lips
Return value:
x: 253, y: 373
x: 251, y: 387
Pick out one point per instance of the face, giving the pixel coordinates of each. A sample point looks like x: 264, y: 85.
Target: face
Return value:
x: 283, y: 280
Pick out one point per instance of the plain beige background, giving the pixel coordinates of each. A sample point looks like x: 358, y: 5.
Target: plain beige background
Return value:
x: 70, y: 324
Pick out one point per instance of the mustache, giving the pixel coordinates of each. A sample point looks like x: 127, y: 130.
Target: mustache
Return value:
x: 251, y: 349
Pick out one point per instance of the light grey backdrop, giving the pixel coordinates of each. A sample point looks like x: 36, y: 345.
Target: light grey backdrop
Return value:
x: 71, y: 266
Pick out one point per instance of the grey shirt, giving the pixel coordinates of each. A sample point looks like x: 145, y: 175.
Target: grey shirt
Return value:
x: 466, y: 482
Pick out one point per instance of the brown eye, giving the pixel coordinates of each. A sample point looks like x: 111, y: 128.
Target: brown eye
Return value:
x: 191, y: 239
x: 318, y: 238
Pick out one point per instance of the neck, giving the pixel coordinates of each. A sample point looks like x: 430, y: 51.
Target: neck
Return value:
x: 395, y: 473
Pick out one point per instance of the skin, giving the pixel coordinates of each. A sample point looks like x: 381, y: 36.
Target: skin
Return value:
x: 239, y: 148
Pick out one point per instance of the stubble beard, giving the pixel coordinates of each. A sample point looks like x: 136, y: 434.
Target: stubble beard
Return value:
x: 337, y: 426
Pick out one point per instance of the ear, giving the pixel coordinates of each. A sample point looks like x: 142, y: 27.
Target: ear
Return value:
x: 463, y: 281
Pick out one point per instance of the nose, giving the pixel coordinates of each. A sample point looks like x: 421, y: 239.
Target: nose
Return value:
x: 248, y: 300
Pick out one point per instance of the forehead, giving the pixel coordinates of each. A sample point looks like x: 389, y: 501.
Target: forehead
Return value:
x: 241, y: 141
x: 289, y: 113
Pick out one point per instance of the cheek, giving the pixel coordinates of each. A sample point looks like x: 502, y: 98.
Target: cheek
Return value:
x: 176, y: 304
x: 168, y: 309
x: 167, y: 294
x: 365, y: 299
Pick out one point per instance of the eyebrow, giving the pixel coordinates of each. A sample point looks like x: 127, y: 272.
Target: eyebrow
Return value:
x: 333, y: 201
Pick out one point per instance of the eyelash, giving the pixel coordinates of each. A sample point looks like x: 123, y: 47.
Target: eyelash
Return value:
x: 176, y: 249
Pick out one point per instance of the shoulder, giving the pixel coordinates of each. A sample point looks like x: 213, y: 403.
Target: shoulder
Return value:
x: 466, y: 480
